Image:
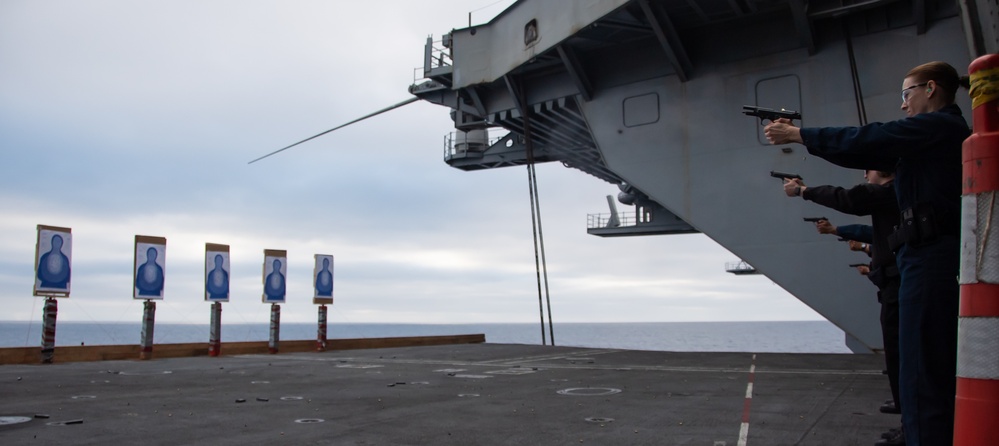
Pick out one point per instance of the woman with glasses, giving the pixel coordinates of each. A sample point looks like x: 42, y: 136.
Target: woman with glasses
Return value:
x: 924, y: 150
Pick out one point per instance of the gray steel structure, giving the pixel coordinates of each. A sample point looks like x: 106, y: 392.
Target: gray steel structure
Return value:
x: 648, y: 95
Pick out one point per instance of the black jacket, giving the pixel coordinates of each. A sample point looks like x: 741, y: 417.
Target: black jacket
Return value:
x: 866, y: 199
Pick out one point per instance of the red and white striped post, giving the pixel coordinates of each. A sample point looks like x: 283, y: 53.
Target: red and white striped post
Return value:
x: 49, y: 330
x: 275, y: 339
x: 148, y: 324
x: 321, y: 332
x: 215, y: 331
x: 977, y: 401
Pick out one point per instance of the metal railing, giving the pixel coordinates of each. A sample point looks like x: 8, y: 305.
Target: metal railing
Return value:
x: 599, y: 221
x: 437, y: 56
x: 449, y: 144
x: 740, y: 266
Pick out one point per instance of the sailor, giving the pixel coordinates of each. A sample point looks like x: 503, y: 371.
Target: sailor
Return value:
x: 924, y: 150
x: 875, y: 198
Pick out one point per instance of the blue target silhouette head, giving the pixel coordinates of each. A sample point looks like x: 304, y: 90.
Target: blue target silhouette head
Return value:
x: 151, y: 255
x: 326, y: 263
x: 277, y: 266
x: 56, y: 243
x: 218, y: 261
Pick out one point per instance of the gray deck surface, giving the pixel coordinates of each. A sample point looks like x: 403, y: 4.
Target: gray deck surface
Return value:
x: 453, y: 395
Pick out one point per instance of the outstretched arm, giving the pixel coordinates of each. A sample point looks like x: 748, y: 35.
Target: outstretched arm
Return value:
x: 782, y: 131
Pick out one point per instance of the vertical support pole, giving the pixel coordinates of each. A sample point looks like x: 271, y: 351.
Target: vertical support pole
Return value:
x: 49, y: 330
x: 976, y: 404
x: 272, y: 345
x: 215, y: 332
x: 148, y: 322
x: 321, y: 333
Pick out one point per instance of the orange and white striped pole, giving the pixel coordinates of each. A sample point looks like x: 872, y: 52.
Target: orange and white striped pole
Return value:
x: 976, y: 409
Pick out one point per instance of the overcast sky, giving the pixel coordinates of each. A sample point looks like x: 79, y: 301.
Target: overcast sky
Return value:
x: 120, y: 118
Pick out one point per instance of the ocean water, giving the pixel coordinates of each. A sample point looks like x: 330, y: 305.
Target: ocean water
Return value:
x: 759, y: 337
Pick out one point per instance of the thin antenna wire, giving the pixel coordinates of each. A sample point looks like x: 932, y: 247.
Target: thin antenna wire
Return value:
x: 484, y: 7
x: 407, y: 101
x: 541, y: 239
x: 107, y: 333
x: 27, y: 333
x: 535, y: 207
x: 479, y: 9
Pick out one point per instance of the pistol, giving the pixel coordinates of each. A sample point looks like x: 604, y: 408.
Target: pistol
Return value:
x: 782, y: 175
x: 814, y: 219
x: 769, y: 114
x: 854, y: 265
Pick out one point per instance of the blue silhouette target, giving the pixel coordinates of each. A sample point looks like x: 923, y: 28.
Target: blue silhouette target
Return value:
x: 323, y: 279
x: 150, y: 261
x: 53, y: 254
x: 217, y: 276
x: 275, y: 273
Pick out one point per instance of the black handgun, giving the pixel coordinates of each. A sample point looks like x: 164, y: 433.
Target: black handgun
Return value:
x: 783, y: 175
x: 854, y: 265
x: 814, y: 219
x: 769, y: 114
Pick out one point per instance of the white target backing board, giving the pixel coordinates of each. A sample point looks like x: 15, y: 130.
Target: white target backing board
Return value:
x: 322, y: 279
x: 216, y: 272
x: 149, y: 269
x: 53, y: 261
x: 275, y: 276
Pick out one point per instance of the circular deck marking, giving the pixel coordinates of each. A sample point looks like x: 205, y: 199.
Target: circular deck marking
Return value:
x: 5, y: 421
x: 84, y: 397
x: 260, y: 382
x: 599, y: 419
x: 589, y: 391
x: 291, y: 398
x: 467, y: 395
x: 420, y: 383
x: 309, y: 420
x: 100, y: 381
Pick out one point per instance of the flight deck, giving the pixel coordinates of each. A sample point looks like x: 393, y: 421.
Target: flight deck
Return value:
x: 467, y: 394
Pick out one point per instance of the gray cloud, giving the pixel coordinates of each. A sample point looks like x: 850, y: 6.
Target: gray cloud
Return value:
x: 120, y: 118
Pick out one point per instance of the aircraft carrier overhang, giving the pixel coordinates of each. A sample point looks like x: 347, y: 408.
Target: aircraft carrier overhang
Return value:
x: 648, y: 95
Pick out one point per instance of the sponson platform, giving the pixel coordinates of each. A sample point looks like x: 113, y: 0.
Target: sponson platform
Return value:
x: 464, y: 394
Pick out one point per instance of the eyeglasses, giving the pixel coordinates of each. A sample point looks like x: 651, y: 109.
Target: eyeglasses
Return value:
x: 906, y: 92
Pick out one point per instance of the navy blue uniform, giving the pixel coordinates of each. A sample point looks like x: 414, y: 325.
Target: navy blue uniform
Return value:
x: 879, y: 202
x: 860, y: 233
x: 925, y: 153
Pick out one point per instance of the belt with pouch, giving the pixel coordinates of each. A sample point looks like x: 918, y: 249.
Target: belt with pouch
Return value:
x: 920, y: 225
